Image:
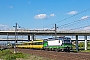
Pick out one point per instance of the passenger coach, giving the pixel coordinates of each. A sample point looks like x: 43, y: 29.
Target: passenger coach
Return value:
x: 57, y: 44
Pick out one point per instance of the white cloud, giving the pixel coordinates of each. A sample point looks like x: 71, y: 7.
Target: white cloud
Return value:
x: 52, y: 15
x: 29, y: 2
x: 87, y: 28
x: 41, y: 16
x: 85, y: 17
x: 72, y: 12
x: 1, y: 25
x: 10, y: 6
x: 4, y: 27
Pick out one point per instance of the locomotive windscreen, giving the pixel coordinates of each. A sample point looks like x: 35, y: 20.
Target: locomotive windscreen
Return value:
x: 67, y: 40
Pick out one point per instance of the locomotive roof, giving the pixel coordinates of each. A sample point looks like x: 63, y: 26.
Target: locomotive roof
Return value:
x: 58, y: 37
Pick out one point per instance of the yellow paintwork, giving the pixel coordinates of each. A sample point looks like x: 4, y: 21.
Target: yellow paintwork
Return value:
x: 37, y: 46
x: 33, y: 41
x: 30, y: 44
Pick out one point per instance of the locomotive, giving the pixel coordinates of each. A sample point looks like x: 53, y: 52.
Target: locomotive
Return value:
x: 56, y: 44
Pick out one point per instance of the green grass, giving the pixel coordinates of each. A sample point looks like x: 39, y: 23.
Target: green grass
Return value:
x: 81, y: 47
x: 9, y: 55
x: 83, y: 50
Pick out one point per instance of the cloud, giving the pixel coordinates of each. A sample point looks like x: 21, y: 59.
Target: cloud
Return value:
x: 29, y: 2
x: 52, y: 15
x: 41, y: 16
x: 72, y: 12
x: 85, y: 17
x: 86, y: 28
x: 10, y: 7
x: 4, y: 27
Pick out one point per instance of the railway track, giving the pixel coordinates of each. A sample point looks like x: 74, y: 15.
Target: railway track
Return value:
x: 57, y: 55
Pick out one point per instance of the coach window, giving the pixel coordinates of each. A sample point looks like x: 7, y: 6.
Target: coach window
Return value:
x: 40, y: 43
x: 36, y: 43
x: 33, y: 43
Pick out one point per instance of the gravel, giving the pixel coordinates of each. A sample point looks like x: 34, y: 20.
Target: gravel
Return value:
x: 57, y: 55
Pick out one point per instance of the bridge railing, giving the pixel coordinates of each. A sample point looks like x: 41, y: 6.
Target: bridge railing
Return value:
x: 81, y: 31
x: 58, y: 31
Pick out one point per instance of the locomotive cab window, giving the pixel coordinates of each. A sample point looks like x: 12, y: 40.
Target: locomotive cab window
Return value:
x: 66, y: 41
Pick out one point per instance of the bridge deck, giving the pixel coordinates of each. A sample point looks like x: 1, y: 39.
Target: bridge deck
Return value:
x: 45, y: 32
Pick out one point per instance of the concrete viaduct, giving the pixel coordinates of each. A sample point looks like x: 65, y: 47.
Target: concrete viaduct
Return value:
x: 50, y: 32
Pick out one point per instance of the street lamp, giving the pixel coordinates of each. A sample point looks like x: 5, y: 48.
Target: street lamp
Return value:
x: 15, y: 37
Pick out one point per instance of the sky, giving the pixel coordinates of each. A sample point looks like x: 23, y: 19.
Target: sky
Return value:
x: 44, y: 14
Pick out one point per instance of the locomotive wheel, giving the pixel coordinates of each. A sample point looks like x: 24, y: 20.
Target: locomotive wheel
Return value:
x: 68, y: 49
x: 57, y: 50
x: 46, y: 49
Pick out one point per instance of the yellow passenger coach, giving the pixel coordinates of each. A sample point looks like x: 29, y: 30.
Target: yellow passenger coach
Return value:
x: 37, y: 44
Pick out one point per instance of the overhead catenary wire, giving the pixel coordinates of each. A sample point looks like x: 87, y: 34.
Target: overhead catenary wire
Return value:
x: 78, y: 24
x: 80, y: 27
x: 83, y: 23
x: 69, y: 17
x: 72, y: 23
x: 61, y: 26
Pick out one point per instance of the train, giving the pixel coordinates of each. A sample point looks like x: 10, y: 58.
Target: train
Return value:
x: 52, y: 44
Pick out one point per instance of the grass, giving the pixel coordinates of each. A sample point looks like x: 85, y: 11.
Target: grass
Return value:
x: 9, y: 55
x: 82, y: 50
x: 33, y: 57
x: 81, y: 47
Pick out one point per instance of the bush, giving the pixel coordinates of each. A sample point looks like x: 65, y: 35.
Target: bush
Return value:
x: 10, y: 57
x: 81, y: 44
x: 88, y: 43
x: 20, y: 55
x: 14, y: 56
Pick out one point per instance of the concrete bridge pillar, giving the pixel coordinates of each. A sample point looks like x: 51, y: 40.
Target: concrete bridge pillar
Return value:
x: 85, y: 37
x: 33, y: 35
x: 77, y: 42
x: 28, y: 37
